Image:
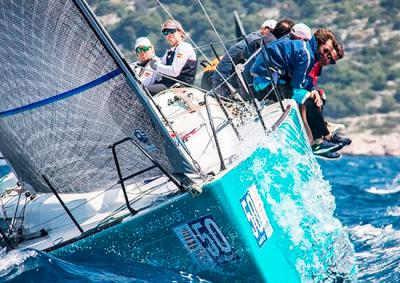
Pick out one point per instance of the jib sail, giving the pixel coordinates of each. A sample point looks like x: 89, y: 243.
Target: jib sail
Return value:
x: 66, y: 96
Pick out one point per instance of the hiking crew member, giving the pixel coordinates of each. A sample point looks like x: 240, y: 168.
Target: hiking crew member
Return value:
x: 300, y: 31
x: 238, y: 53
x: 282, y: 29
x: 315, y: 114
x: 144, y: 67
x: 333, y: 128
x: 291, y: 61
x: 270, y: 31
x: 179, y: 61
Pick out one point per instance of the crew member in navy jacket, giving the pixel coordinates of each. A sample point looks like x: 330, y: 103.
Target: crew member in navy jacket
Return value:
x: 291, y: 61
x: 238, y: 54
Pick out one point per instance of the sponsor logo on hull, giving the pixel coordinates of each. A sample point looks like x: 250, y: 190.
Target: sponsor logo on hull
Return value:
x: 254, y: 210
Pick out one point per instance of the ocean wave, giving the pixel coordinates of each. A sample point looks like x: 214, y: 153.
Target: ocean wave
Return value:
x: 378, y: 253
x: 392, y: 188
x: 393, y: 211
x: 35, y: 266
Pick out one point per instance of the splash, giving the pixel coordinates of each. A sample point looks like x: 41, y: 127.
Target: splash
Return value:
x: 392, y: 188
x: 393, y: 211
x: 379, y: 258
x: 13, y: 263
x: 301, y: 208
x: 34, y: 266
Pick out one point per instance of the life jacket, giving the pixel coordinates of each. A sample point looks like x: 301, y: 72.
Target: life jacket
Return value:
x: 187, y: 74
x: 315, y: 72
x: 212, y: 65
x: 209, y: 69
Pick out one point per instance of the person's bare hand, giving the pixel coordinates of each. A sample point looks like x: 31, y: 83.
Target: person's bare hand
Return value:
x: 317, y: 98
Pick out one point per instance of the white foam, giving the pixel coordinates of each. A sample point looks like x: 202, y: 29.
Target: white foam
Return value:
x: 15, y: 258
x: 376, y: 237
x: 365, y: 231
x: 392, y: 188
x: 353, y: 164
x: 381, y: 252
x: 304, y: 212
x: 393, y: 211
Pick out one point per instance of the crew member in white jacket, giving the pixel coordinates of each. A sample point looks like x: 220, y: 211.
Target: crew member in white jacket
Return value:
x: 145, y: 66
x: 179, y: 63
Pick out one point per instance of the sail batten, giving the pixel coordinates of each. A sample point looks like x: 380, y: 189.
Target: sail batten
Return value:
x: 66, y: 98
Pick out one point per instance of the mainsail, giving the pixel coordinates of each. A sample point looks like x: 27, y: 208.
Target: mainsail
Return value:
x: 65, y: 97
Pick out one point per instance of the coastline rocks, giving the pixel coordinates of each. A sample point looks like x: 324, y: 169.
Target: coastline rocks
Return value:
x: 368, y: 144
x: 376, y: 134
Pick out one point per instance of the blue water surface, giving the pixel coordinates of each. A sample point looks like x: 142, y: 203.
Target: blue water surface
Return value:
x: 367, y: 192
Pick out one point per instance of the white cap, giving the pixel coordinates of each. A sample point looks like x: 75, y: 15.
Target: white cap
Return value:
x: 171, y: 24
x: 301, y: 31
x: 142, y: 41
x: 269, y: 24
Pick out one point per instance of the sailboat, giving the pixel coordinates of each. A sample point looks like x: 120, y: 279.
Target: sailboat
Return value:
x: 178, y: 180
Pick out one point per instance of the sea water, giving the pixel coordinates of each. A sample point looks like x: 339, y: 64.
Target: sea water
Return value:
x: 367, y: 197
x: 367, y: 191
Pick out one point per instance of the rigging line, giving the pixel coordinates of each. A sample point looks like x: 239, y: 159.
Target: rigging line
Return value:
x: 194, y: 86
x: 195, y: 45
x: 11, y: 198
x: 216, y: 43
x: 226, y: 51
x: 72, y: 209
x: 216, y: 32
x: 187, y: 35
x: 252, y: 56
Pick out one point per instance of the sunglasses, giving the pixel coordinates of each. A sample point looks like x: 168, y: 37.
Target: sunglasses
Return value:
x: 142, y: 49
x: 168, y: 31
x: 328, y: 52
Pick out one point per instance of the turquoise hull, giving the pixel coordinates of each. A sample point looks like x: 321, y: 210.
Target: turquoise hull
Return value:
x: 267, y: 219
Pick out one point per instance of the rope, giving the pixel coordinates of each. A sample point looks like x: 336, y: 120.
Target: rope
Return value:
x: 226, y: 51
x: 216, y: 32
x: 196, y: 87
x: 216, y: 42
x: 197, y: 47
x: 72, y: 209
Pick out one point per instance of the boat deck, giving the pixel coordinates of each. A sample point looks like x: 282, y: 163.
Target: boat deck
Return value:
x: 96, y: 209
